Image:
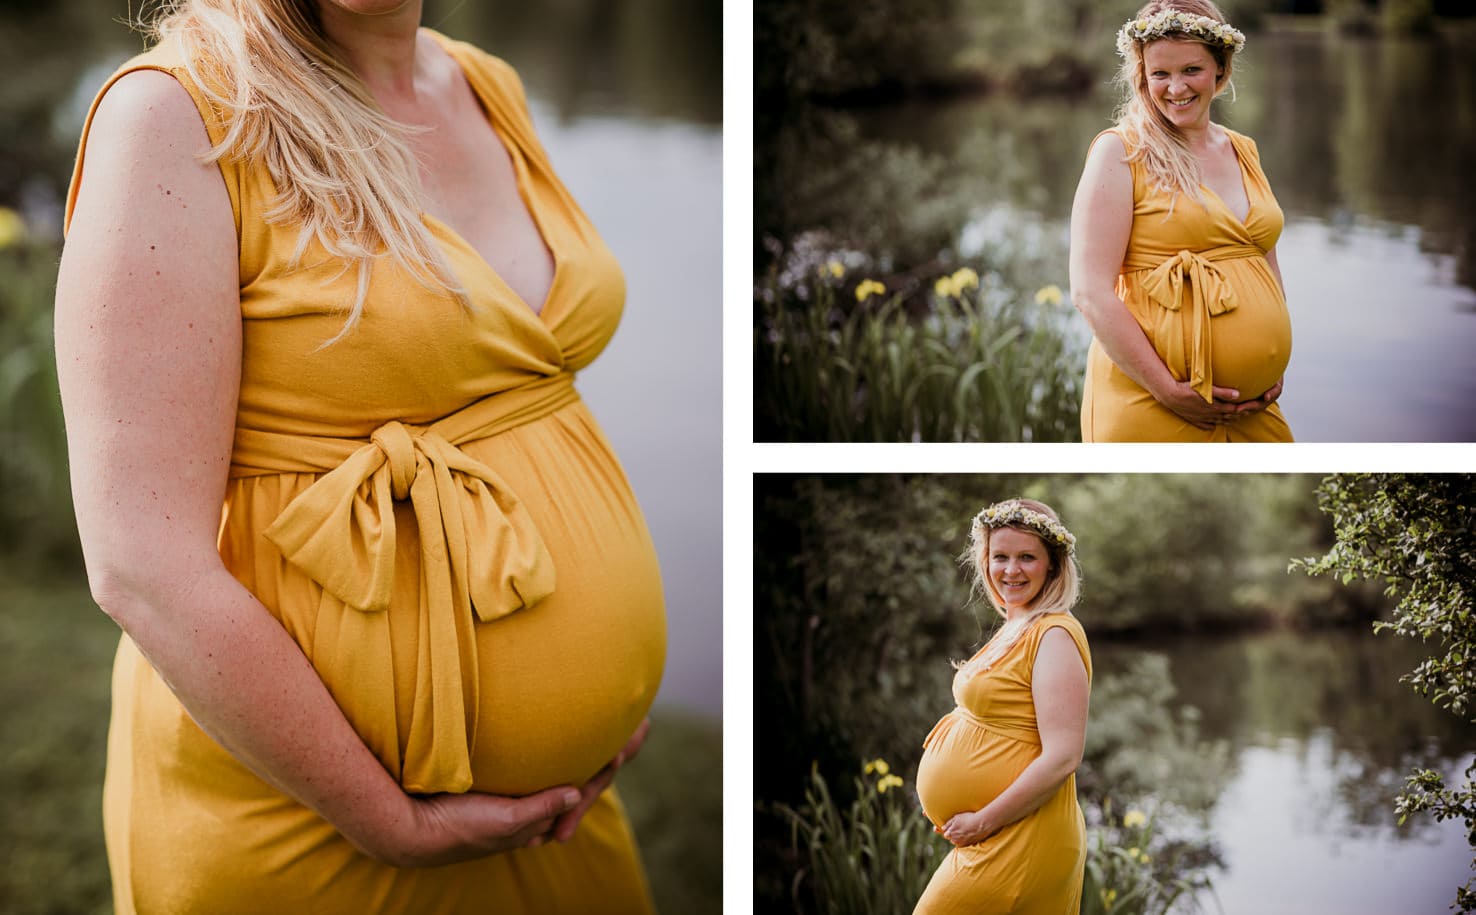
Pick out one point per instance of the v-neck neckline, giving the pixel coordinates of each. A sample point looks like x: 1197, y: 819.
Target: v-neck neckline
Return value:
x: 1242, y: 221
x: 521, y: 172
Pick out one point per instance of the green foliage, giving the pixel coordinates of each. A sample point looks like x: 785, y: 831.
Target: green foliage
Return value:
x: 36, y: 520
x: 1135, y: 868
x: 1417, y: 533
x: 872, y: 857
x: 981, y: 366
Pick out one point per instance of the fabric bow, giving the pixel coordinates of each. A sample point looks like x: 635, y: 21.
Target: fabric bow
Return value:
x: 1183, y: 334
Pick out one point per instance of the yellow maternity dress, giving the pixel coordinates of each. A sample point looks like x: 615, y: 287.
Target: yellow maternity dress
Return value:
x: 1198, y: 283
x: 1035, y: 865
x: 432, y: 513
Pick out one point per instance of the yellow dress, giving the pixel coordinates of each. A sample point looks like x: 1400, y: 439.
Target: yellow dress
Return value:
x: 432, y: 513
x: 1198, y: 283
x: 1035, y: 865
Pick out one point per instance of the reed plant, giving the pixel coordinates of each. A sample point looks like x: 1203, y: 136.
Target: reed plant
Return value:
x: 1135, y: 867
x: 871, y: 857
x: 982, y: 362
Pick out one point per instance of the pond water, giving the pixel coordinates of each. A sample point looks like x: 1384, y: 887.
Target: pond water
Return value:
x: 1368, y: 144
x: 628, y: 101
x: 1320, y: 735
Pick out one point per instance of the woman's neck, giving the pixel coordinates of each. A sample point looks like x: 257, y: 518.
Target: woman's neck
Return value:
x: 379, y: 46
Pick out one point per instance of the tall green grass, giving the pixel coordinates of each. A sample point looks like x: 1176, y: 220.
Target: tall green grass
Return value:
x: 876, y: 856
x: 985, y: 364
x: 873, y: 857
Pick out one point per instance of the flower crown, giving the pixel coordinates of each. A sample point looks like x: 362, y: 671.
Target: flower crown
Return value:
x: 1165, y: 22
x: 1011, y: 512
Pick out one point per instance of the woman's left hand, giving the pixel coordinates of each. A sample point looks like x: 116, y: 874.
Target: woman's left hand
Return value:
x: 1258, y: 404
x: 564, y: 827
x: 966, y: 829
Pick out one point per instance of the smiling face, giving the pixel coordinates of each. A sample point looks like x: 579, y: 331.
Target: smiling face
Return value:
x: 1019, y: 565
x: 1182, y: 77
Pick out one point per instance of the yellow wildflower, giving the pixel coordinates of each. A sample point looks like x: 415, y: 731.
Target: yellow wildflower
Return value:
x: 965, y: 278
x: 834, y: 268
x: 878, y: 765
x: 1133, y: 852
x: 1134, y: 819
x: 1109, y: 896
x: 1143, y: 857
x: 868, y: 288
x: 12, y: 227
x: 943, y: 287
x: 888, y: 781
x: 1048, y: 295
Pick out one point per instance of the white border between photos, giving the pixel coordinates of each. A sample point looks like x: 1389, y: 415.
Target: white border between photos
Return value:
x: 737, y: 825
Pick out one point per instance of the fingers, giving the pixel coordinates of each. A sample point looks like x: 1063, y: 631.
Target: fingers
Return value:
x: 633, y: 746
x: 566, y: 824
x: 1230, y: 395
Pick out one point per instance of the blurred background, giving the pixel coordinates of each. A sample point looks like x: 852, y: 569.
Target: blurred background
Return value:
x: 627, y: 100
x: 903, y: 140
x: 1245, y: 712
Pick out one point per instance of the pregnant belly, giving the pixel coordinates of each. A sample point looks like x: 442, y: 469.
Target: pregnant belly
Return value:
x: 966, y: 768
x: 1251, y: 345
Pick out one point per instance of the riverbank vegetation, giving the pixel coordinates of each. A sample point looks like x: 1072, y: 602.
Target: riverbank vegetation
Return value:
x: 859, y: 602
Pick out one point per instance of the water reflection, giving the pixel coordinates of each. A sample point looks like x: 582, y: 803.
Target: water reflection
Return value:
x: 1321, y: 735
x: 1367, y: 142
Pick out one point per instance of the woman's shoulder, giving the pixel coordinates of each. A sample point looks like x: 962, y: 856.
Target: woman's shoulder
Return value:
x: 1072, y: 626
x: 1242, y: 142
x: 480, y: 65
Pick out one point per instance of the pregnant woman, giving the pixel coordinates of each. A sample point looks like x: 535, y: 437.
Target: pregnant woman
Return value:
x: 1173, y: 249
x: 387, y: 598
x: 997, y: 777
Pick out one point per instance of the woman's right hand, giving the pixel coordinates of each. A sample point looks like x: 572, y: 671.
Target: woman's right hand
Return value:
x: 1186, y: 403
x: 441, y: 829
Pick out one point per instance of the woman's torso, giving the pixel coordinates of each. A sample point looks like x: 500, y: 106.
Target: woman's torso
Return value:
x: 1251, y: 342
x: 980, y: 748
x: 545, y: 690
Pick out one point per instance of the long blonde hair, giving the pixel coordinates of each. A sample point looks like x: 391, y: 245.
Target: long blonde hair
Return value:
x: 1151, y: 138
x: 343, y: 169
x: 1060, y: 592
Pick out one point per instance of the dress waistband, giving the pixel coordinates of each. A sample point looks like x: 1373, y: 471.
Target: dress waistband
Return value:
x: 992, y: 725
x: 340, y: 531
x: 1209, y: 293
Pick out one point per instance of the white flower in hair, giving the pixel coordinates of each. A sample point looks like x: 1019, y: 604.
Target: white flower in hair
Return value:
x: 1169, y: 21
x: 1012, y: 512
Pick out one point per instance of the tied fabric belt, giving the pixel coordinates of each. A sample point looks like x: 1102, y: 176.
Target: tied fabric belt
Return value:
x: 1010, y: 729
x: 1190, y: 290
x: 480, y: 554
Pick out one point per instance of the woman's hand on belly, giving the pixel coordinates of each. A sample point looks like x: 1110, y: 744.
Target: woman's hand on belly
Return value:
x: 1186, y: 403
x: 967, y: 829
x: 1257, y: 404
x: 448, y: 828
x: 563, y: 829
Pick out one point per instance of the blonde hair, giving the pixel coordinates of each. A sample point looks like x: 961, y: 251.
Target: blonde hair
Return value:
x: 1059, y: 594
x: 343, y: 169
x: 1152, y: 138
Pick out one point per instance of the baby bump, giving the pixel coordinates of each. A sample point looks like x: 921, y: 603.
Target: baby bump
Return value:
x: 966, y: 768
x: 544, y: 695
x: 1251, y: 345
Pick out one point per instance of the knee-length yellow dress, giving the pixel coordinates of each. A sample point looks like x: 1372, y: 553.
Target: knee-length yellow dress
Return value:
x: 1197, y: 280
x: 1035, y: 865
x: 431, y: 512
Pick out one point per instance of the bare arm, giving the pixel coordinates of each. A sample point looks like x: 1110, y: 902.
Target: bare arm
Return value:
x: 148, y: 339
x: 1101, y: 221
x: 1059, y: 687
